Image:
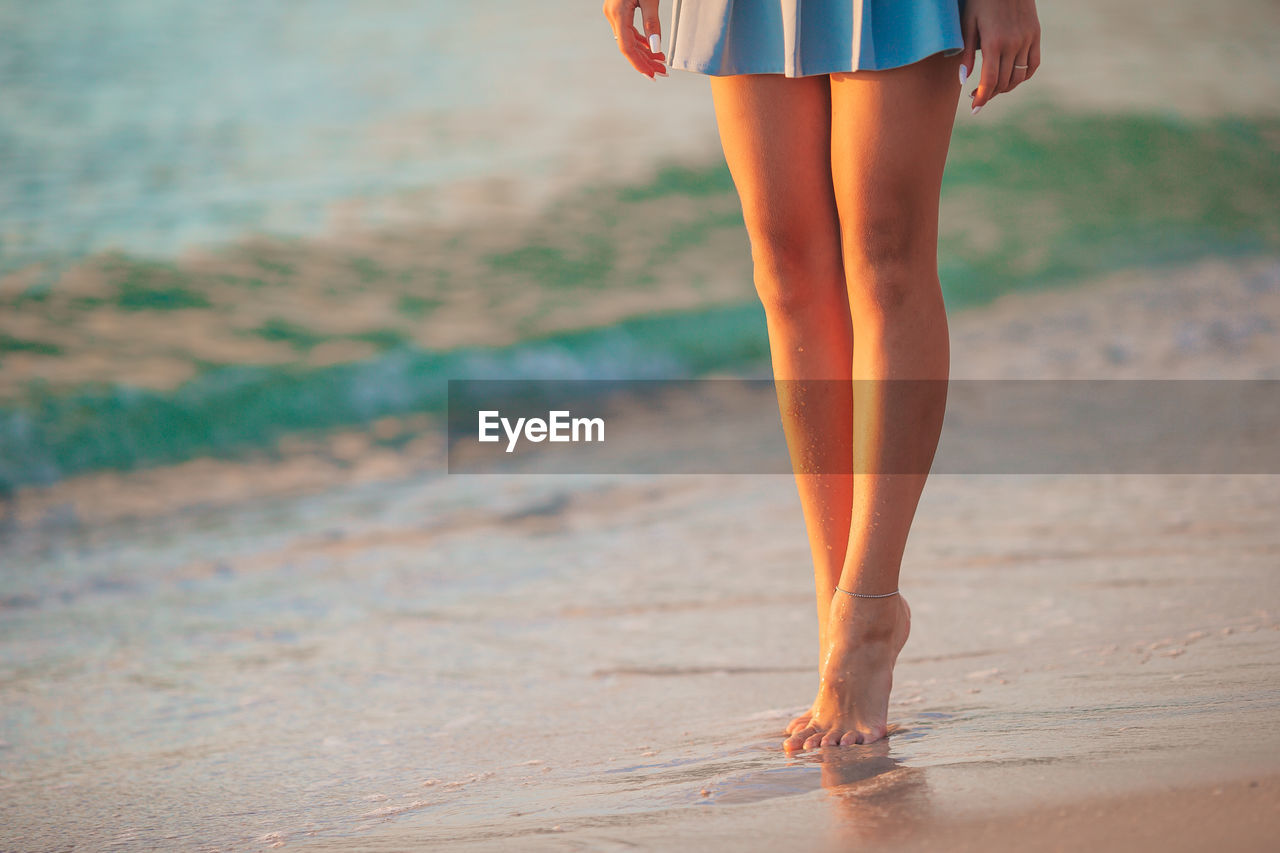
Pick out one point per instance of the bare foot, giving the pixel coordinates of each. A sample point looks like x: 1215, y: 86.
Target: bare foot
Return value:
x: 852, y: 706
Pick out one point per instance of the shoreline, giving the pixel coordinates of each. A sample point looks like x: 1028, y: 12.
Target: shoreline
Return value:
x: 1116, y: 327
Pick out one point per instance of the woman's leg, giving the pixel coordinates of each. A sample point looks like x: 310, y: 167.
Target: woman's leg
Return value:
x: 889, y: 136
x: 776, y: 134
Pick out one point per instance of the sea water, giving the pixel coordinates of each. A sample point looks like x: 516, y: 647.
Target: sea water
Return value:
x: 153, y: 126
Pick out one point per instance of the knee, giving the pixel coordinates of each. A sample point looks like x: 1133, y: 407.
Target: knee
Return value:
x: 797, y: 269
x: 891, y: 265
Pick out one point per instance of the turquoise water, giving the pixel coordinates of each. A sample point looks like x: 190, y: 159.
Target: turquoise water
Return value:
x: 1087, y: 180
x: 153, y: 127
x: 234, y: 409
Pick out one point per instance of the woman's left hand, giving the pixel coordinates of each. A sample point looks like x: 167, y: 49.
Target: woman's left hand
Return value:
x: 1008, y: 34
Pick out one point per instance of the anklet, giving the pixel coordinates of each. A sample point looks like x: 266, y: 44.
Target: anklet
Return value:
x: 864, y: 595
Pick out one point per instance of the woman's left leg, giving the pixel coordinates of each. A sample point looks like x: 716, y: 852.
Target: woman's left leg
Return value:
x: 889, y: 136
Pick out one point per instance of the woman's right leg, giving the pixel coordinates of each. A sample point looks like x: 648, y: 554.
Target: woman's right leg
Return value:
x: 776, y: 133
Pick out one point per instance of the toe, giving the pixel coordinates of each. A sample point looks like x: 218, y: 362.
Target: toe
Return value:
x: 814, y: 740
x: 849, y: 739
x: 797, y: 740
x: 832, y: 738
x: 799, y: 723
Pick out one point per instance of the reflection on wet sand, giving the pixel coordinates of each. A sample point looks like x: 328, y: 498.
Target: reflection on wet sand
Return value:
x: 875, y: 798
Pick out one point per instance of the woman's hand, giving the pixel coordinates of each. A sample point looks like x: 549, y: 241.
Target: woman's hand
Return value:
x: 643, y: 51
x: 1008, y: 34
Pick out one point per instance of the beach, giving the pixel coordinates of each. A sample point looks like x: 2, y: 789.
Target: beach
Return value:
x: 575, y: 693
x: 248, y: 600
x: 480, y: 661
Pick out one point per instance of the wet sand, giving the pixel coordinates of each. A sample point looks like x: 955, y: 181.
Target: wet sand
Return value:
x: 1237, y: 815
x: 544, y: 661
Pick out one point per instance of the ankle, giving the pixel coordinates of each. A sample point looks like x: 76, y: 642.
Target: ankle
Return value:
x: 866, y: 620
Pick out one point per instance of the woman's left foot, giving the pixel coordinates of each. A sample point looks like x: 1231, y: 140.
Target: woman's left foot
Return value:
x: 865, y: 636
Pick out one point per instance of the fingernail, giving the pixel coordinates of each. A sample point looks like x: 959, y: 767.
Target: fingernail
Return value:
x: 964, y: 74
x: 662, y: 74
x: 655, y: 42
x: 975, y: 110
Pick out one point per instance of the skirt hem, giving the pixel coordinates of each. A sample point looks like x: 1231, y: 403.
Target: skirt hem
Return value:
x: 718, y: 69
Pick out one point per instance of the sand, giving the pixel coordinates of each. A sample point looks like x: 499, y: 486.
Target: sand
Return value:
x: 544, y: 661
x: 1238, y: 815
x: 410, y: 658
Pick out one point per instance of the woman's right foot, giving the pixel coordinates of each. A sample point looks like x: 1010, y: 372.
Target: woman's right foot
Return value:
x: 857, y: 676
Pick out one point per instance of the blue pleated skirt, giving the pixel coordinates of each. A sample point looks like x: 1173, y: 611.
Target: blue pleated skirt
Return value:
x: 800, y: 38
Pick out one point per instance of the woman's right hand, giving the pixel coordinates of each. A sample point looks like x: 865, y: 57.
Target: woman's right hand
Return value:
x: 642, y: 50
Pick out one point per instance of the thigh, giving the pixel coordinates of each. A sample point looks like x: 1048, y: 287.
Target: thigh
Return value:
x: 890, y: 131
x: 776, y: 133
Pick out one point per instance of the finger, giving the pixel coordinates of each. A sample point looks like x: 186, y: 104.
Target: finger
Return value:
x: 634, y: 47
x: 639, y: 59
x: 1006, y: 69
x: 642, y: 62
x: 969, y: 57
x: 639, y: 48
x: 990, y: 79
x: 1033, y: 57
x: 620, y: 15
x: 644, y: 46
x: 624, y: 35
x: 1020, y: 67
x: 652, y: 25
